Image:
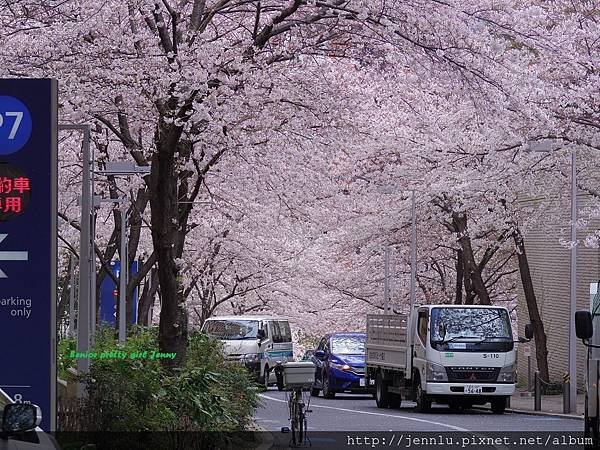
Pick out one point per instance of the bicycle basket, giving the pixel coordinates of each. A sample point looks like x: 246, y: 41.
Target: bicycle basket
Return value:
x: 298, y: 374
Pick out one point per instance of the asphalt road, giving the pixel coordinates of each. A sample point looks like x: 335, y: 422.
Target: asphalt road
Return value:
x: 358, y: 413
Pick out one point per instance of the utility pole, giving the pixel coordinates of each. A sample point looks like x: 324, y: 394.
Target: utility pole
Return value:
x: 413, y: 254
x: 71, y: 332
x: 573, y: 296
x: 386, y: 284
x: 123, y: 275
x: 86, y: 302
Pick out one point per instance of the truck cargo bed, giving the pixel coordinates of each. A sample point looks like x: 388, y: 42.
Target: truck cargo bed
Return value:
x: 386, y: 344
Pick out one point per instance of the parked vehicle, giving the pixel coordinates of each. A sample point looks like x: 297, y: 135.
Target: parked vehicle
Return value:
x: 261, y: 343
x: 340, y: 365
x: 20, y: 427
x: 459, y: 355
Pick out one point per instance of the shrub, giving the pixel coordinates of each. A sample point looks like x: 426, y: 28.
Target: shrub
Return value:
x: 65, y: 346
x: 208, y: 394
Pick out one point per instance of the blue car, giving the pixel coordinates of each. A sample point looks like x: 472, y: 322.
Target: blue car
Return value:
x: 340, y: 365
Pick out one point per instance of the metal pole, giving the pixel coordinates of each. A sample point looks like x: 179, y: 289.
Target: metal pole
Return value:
x: 593, y: 377
x: 566, y: 396
x: 152, y: 304
x: 93, y: 304
x: 537, y: 393
x: 529, y: 373
x: 85, y: 293
x: 93, y: 272
x: 573, y: 302
x: 72, y: 296
x: 123, y: 275
x: 413, y: 255
x: 386, y: 282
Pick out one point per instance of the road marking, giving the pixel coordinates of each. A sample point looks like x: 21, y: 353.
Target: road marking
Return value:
x: 452, y: 427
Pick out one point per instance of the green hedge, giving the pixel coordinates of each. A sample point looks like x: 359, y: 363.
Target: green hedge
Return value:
x: 208, y: 394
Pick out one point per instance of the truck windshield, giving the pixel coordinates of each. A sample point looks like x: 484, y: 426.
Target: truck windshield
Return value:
x: 348, y: 345
x: 479, y: 327
x: 232, y: 329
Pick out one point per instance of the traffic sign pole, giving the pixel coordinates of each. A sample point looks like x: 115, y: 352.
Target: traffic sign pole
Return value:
x: 87, y: 291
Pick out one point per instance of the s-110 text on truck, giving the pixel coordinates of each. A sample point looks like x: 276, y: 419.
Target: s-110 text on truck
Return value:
x: 459, y: 355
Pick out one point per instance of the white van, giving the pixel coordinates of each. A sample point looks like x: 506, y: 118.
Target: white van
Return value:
x: 261, y: 343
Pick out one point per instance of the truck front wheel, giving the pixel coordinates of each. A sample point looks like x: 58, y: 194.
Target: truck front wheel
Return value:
x: 423, y: 402
x: 498, y: 405
x: 382, y: 396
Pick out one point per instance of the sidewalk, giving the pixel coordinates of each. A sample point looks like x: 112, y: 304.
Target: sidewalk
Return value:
x: 523, y: 401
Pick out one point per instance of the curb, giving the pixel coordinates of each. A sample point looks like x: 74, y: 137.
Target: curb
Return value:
x: 266, y: 438
x: 536, y: 413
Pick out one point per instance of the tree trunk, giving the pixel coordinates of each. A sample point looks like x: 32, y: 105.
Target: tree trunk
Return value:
x: 459, y: 277
x: 147, y: 298
x: 173, y: 328
x: 469, y: 293
x: 471, y: 268
x: 135, y: 228
x: 541, y: 350
x: 62, y: 309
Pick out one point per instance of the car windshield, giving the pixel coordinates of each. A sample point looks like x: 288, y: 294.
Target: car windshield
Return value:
x: 232, y: 329
x: 348, y: 345
x: 467, y: 324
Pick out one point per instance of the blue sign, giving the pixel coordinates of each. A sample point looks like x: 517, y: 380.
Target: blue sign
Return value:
x: 15, y: 125
x: 28, y: 250
x: 109, y: 296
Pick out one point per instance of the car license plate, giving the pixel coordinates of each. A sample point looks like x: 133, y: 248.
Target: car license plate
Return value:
x: 362, y: 382
x: 471, y: 389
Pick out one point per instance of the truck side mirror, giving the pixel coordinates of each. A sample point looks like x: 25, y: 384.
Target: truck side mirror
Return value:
x: 529, y: 331
x: 260, y: 334
x: 319, y: 354
x: 584, y: 329
x: 21, y: 417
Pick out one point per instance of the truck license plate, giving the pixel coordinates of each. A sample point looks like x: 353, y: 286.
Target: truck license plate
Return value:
x: 471, y: 389
x: 362, y: 382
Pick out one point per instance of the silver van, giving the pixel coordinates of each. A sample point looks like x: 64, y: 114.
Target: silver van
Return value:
x: 261, y: 343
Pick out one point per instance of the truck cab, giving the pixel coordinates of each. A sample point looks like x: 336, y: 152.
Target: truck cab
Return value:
x: 459, y: 355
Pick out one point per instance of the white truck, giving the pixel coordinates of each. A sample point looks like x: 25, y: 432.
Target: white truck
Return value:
x: 459, y: 355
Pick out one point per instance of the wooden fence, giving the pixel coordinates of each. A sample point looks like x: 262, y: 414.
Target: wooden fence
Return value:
x: 69, y: 416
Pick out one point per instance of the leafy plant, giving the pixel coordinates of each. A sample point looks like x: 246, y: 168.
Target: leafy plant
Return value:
x: 130, y: 392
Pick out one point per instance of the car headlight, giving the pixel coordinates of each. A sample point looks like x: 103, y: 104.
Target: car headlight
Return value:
x: 436, y: 372
x: 251, y: 357
x: 507, y: 374
x: 344, y: 367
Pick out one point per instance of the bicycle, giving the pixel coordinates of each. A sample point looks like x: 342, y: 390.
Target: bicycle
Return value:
x: 298, y: 378
x: 298, y: 409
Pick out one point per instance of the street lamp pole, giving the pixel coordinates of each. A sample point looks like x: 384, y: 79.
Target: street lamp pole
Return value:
x: 87, y: 291
x: 386, y: 284
x: 123, y: 168
x: 123, y: 275
x: 573, y: 297
x: 549, y: 145
x: 413, y: 254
